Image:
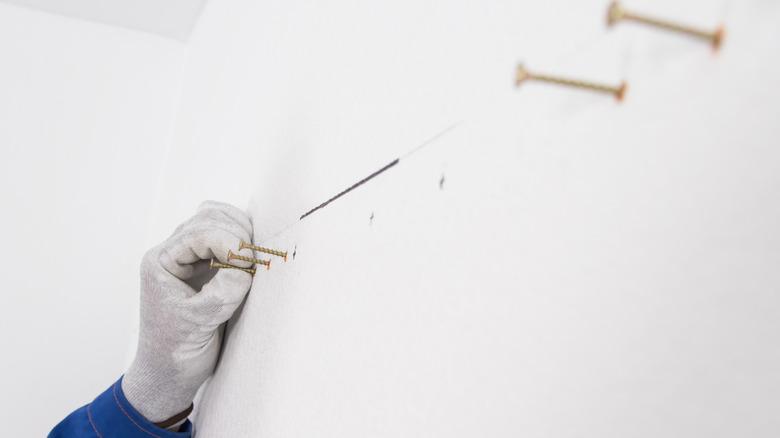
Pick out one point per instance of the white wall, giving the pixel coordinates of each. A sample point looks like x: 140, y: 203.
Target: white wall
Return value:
x: 85, y: 114
x: 590, y: 268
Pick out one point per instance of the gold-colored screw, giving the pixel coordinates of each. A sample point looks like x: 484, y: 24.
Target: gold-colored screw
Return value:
x: 218, y: 265
x: 275, y: 252
x: 233, y: 256
x: 617, y: 12
x: 524, y: 75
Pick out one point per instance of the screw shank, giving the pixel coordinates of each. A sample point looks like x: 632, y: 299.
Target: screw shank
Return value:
x: 669, y: 25
x: 576, y: 83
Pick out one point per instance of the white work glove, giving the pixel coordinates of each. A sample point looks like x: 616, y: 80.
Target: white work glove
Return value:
x: 180, y: 334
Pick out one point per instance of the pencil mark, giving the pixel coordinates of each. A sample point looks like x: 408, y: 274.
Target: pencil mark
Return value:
x: 295, y: 251
x: 371, y: 219
x: 441, y: 182
x: 387, y: 166
x: 351, y: 188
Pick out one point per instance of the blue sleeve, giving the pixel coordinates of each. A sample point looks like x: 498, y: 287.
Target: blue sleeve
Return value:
x: 110, y: 415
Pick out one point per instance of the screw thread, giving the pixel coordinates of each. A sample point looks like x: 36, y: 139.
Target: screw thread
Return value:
x: 234, y: 256
x: 218, y: 265
x: 264, y: 250
x: 669, y: 25
x: 616, y: 90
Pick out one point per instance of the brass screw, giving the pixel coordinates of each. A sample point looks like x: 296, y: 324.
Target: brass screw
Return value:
x: 275, y: 252
x: 233, y: 256
x: 617, y: 12
x: 523, y: 75
x: 218, y: 265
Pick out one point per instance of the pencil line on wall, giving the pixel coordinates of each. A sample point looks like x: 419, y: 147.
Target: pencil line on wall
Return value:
x: 389, y: 165
x: 431, y: 140
x: 352, y: 187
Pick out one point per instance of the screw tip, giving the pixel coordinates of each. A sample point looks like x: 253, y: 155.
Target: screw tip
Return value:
x: 717, y: 37
x: 621, y: 92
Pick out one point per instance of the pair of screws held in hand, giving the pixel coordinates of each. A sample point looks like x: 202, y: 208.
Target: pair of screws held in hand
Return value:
x: 243, y: 245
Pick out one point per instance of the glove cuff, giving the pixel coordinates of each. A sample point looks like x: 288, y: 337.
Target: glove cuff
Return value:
x: 157, y: 396
x: 176, y: 420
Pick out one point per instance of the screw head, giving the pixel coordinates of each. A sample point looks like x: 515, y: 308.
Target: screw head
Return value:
x: 615, y: 13
x: 521, y: 75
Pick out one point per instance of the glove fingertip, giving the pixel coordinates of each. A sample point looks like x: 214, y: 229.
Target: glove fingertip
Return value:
x: 230, y: 284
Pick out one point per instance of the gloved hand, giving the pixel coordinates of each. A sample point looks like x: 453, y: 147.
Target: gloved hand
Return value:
x: 182, y: 309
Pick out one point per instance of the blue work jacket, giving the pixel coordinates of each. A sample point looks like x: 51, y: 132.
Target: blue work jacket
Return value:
x: 110, y: 415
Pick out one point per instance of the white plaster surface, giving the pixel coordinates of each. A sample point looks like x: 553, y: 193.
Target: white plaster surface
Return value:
x: 589, y: 269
